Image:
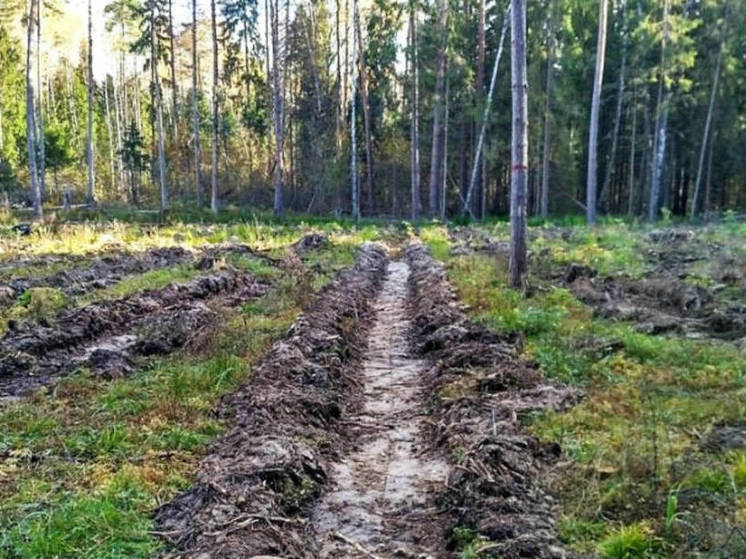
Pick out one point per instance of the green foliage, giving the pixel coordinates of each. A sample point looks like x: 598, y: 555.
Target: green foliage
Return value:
x: 628, y: 542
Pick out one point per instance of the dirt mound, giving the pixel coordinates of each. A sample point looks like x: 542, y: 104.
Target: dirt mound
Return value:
x: 467, y: 240
x: 309, y: 242
x: 494, y: 488
x: 112, y: 331
x: 657, y: 303
x: 272, y: 464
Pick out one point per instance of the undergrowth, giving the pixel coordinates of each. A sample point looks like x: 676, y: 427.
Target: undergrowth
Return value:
x: 635, y: 482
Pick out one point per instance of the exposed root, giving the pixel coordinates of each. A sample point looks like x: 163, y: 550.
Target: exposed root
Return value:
x: 285, y: 420
x: 495, y: 486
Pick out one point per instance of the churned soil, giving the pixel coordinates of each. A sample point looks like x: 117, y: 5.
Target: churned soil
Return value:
x: 346, y: 442
x: 255, y: 488
x: 480, y: 389
x: 107, y: 335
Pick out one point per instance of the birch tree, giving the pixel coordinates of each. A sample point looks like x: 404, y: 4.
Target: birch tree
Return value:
x: 89, y: 138
x: 195, y: 109
x: 467, y: 208
x: 661, y: 128
x: 30, y: 120
x: 591, y: 188
x: 278, y: 101
x: 436, y: 154
x: 696, y: 199
x: 215, y: 110
x: 414, y: 117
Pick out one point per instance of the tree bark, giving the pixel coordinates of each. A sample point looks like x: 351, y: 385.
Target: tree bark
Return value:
x: 215, y: 111
x: 479, y: 98
x: 174, y: 88
x: 618, y: 115
x: 158, y: 113
x: 519, y: 145
x: 632, y: 146
x: 366, y: 118
x: 708, y: 124
x: 546, y: 151
x: 591, y: 188
x: 89, y: 140
x: 278, y: 94
x: 354, y: 186
x: 30, y: 119
x: 40, y: 90
x: 467, y: 208
x: 436, y: 153
x: 110, y: 134
x: 195, y: 110
x: 414, y: 119
x: 659, y: 150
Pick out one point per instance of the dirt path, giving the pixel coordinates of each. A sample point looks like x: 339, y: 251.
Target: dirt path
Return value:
x: 379, y: 494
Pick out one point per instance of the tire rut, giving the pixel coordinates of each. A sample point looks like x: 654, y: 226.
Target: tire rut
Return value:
x: 380, y: 502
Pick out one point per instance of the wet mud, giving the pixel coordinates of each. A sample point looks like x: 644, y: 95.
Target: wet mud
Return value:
x: 481, y: 390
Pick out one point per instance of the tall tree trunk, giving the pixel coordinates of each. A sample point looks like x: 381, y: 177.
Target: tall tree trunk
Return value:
x: 40, y: 90
x: 174, y: 87
x: 467, y: 207
x: 355, y: 184
x: 519, y: 145
x: 110, y: 134
x: 436, y: 153
x: 445, y: 153
x: 547, y: 150
x: 89, y: 140
x: 659, y: 151
x: 195, y: 110
x: 708, y: 179
x: 278, y: 94
x: 30, y: 120
x: 632, y: 150
x: 479, y: 98
x: 708, y: 123
x: 618, y: 115
x: 215, y: 111
x: 590, y: 200
x: 415, y: 119
x: 158, y: 102
x: 366, y: 116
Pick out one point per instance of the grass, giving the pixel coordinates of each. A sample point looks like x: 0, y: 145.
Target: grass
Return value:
x: 633, y: 441
x: 83, y: 466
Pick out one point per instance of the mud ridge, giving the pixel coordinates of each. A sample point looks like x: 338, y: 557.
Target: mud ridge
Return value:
x: 254, y: 488
x: 480, y: 389
x: 109, y: 269
x: 107, y: 335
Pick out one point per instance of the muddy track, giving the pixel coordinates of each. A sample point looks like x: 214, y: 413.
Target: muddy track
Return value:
x: 107, y: 335
x: 480, y: 389
x: 255, y: 487
x: 109, y: 269
x: 381, y: 499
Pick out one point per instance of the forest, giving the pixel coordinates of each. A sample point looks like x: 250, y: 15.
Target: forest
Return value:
x: 377, y: 109
x: 372, y: 279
